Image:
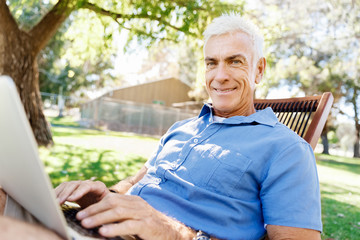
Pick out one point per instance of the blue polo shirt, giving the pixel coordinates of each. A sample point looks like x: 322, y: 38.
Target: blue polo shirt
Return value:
x: 231, y: 177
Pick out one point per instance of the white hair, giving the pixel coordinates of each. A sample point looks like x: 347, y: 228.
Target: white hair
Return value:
x: 232, y: 22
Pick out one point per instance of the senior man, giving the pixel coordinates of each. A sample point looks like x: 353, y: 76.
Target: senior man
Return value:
x: 232, y: 172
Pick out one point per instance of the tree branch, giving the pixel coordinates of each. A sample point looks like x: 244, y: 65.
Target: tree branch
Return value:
x: 105, y: 12
x: 42, y: 32
x: 7, y: 21
x: 144, y: 33
x: 344, y: 113
x: 116, y: 16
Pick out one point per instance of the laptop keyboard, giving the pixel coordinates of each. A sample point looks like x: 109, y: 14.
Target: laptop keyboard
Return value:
x: 70, y: 216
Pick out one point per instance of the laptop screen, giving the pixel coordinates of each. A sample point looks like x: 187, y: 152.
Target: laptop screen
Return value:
x: 22, y: 173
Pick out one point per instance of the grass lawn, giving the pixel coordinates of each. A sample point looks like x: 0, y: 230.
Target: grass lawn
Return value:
x: 111, y: 156
x: 80, y: 154
x: 340, y: 196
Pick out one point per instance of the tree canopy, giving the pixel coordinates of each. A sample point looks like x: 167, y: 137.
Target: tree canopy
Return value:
x: 28, y: 26
x: 314, y: 47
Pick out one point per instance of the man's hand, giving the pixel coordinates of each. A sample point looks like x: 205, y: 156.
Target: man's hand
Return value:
x: 120, y: 215
x: 124, y: 185
x: 88, y: 192
x: 84, y: 193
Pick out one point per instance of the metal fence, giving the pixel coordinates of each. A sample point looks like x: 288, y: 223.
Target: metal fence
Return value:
x: 117, y: 115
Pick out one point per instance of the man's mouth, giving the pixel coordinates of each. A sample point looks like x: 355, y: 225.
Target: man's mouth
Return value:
x: 224, y: 90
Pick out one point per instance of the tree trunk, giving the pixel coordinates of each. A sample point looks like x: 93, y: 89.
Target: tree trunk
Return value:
x: 18, y: 59
x: 357, y: 144
x: 325, y: 142
x: 20, y: 64
x: 357, y: 125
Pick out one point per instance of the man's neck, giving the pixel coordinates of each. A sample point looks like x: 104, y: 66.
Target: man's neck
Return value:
x: 241, y: 112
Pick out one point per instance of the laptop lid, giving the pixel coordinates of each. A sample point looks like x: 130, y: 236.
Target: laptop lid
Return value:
x: 22, y: 173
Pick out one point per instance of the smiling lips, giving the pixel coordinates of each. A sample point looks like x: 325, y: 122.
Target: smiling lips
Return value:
x: 224, y: 91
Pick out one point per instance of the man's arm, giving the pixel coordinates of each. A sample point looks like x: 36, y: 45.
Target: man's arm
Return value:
x: 124, y: 185
x: 12, y: 229
x: 276, y: 232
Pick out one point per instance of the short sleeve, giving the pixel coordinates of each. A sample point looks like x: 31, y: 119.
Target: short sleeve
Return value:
x: 290, y: 193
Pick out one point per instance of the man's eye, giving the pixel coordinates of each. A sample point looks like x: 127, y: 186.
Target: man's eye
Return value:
x: 210, y: 64
x: 236, y: 62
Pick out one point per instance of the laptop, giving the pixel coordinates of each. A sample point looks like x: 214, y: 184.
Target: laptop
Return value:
x: 22, y: 173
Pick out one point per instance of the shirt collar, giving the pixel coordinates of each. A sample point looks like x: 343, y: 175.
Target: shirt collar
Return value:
x: 265, y: 117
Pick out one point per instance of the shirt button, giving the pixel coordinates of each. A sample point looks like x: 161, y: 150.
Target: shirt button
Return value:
x: 196, y: 140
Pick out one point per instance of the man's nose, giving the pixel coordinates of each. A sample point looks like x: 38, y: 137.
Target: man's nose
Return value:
x: 221, y: 74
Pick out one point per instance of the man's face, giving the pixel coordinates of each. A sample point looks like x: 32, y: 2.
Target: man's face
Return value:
x: 231, y: 74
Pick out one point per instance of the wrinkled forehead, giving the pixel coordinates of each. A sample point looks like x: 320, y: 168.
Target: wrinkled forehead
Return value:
x: 228, y: 44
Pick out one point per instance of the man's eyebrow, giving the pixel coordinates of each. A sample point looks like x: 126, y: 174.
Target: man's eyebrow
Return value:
x: 209, y: 59
x: 236, y: 56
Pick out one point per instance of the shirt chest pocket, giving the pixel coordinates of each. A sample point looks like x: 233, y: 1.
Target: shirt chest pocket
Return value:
x: 219, y: 170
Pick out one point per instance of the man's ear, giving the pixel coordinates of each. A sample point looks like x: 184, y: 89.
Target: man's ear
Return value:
x: 260, y: 70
